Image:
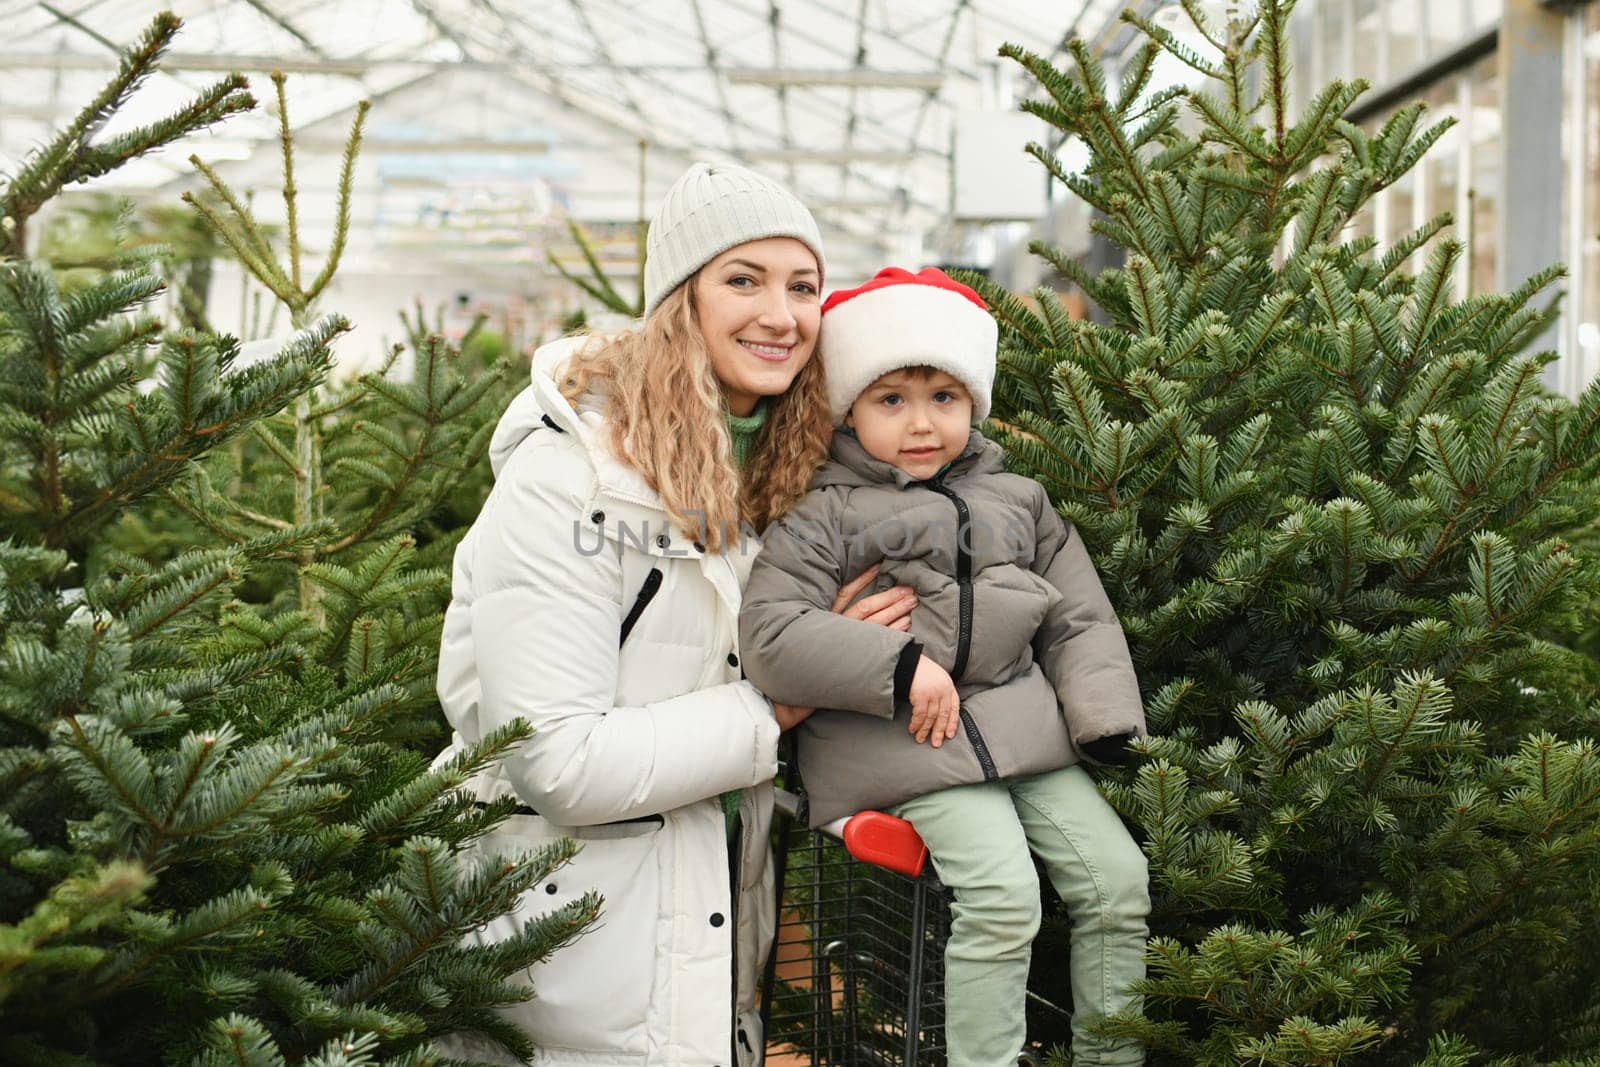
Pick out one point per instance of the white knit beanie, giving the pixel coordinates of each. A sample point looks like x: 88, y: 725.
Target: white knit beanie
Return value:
x: 710, y: 209
x: 900, y: 319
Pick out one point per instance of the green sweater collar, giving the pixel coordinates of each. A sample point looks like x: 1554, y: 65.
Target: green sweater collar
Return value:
x: 744, y: 429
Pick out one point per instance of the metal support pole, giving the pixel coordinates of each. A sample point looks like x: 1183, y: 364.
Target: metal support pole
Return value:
x: 821, y: 972
x: 782, y: 822
x: 1529, y: 234
x: 1575, y: 362
x: 919, y: 930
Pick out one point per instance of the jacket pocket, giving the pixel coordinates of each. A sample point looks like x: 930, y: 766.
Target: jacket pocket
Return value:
x: 651, y: 670
x: 747, y: 1039
x: 594, y: 994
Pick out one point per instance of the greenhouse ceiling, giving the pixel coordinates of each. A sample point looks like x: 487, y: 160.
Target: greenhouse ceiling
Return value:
x: 496, y: 121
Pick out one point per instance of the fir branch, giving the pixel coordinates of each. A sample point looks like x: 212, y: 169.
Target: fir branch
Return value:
x: 70, y: 157
x: 263, y: 267
x: 262, y: 432
x: 241, y: 214
x: 156, y: 611
x: 1172, y: 208
x: 1148, y: 297
x: 341, y: 225
x: 1225, y: 126
x: 76, y: 906
x: 1320, y: 212
x: 1169, y: 43
x: 1273, y: 46
x: 597, y: 285
x: 291, y: 193
x: 1136, y: 75
x: 1072, y: 270
x: 250, y: 395
x: 1431, y: 292
x: 1067, y: 94
x: 108, y: 763
x: 1319, y: 121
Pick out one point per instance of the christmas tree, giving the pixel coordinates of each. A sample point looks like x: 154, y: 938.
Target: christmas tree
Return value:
x: 1335, y: 508
x: 219, y: 841
x: 598, y: 284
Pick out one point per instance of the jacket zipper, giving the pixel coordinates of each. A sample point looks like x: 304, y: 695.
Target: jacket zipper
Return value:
x: 964, y: 633
x: 735, y: 876
x: 647, y: 593
x: 975, y: 739
x: 963, y: 575
x: 964, y: 637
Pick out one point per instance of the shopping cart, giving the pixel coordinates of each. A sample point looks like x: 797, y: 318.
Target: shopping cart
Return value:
x: 856, y: 975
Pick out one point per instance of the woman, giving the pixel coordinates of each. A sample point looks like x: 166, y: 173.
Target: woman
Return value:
x: 597, y: 597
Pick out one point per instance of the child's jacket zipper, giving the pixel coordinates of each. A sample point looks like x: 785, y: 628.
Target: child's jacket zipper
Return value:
x: 964, y: 630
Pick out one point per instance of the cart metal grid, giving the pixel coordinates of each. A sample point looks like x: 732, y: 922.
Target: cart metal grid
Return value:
x: 857, y: 974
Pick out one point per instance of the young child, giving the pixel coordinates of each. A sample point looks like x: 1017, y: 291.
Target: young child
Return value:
x: 971, y: 725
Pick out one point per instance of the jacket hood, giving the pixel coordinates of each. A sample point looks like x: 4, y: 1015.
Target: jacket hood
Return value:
x: 541, y: 398
x: 851, y: 465
x: 542, y: 406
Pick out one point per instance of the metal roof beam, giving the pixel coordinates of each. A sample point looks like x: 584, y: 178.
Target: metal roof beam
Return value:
x: 646, y: 128
x: 286, y: 26
x: 605, y: 53
x: 711, y: 61
x: 636, y: 15
x: 927, y: 102
x: 997, y: 14
x: 82, y: 27
x: 853, y: 114
x: 356, y: 66
x: 839, y: 155
x: 854, y: 78
x: 830, y: 45
x: 786, y: 128
x: 524, y: 71
x: 889, y: 129
x: 440, y: 26
x: 686, y: 145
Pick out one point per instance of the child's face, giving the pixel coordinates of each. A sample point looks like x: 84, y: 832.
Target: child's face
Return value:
x: 916, y: 422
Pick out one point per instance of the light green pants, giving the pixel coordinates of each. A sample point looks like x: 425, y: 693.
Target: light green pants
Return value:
x: 979, y: 837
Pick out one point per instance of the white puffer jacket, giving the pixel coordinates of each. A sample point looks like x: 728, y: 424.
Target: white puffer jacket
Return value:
x: 632, y: 746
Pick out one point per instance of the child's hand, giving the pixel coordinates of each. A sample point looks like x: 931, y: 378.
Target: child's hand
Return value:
x: 935, y: 704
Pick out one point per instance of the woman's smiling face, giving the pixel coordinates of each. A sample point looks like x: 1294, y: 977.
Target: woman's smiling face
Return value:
x: 758, y: 305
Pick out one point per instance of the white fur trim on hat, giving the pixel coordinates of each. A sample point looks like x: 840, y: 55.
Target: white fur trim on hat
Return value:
x: 710, y: 209
x: 907, y: 325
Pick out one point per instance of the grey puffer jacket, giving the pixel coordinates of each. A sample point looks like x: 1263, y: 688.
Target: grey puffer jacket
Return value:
x: 1008, y: 602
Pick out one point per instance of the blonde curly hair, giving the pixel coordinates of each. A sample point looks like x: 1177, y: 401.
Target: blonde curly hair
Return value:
x: 668, y: 418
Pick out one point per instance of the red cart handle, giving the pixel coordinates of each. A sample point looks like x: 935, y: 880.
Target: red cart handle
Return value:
x: 875, y: 837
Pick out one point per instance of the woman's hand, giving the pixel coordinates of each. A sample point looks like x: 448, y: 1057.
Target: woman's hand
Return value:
x: 789, y: 715
x: 891, y: 608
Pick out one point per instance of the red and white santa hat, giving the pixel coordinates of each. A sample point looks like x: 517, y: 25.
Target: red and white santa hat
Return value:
x: 900, y: 319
